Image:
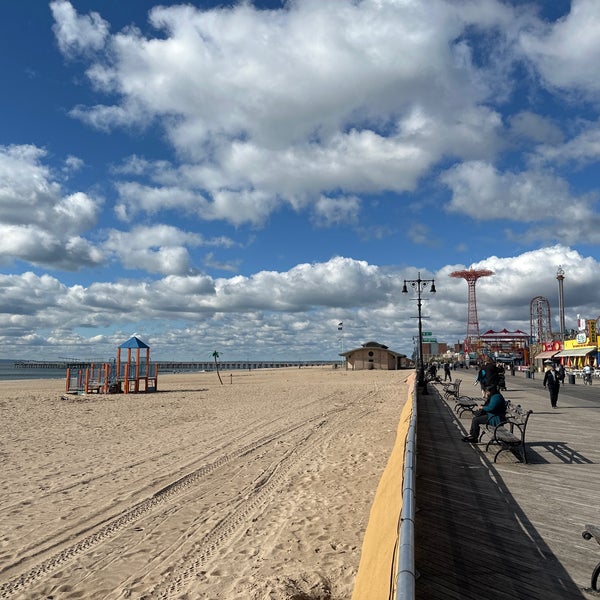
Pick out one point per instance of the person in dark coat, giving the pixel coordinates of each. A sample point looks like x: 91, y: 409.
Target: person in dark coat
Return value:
x: 491, y: 377
x: 487, y: 377
x: 561, y: 373
x: 501, y: 376
x: 447, y: 374
x: 493, y: 412
x: 552, y: 383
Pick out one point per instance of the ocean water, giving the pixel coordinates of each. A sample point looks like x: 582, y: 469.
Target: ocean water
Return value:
x: 9, y: 371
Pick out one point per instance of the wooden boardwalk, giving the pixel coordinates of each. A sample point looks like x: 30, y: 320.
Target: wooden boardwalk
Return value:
x: 508, y: 530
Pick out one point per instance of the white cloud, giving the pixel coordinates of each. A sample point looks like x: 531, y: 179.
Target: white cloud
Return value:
x: 338, y: 282
x: 24, y: 295
x: 484, y: 193
x: 319, y: 107
x: 158, y: 248
x: 336, y: 211
x: 73, y: 164
x: 582, y: 149
x: 259, y: 315
x: 264, y: 106
x: 534, y: 127
x: 77, y: 34
x: 136, y: 197
x: 40, y: 224
x: 420, y: 233
x: 210, y: 261
x: 567, y: 53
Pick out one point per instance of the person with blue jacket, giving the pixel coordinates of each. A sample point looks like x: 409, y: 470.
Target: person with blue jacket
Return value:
x: 493, y: 412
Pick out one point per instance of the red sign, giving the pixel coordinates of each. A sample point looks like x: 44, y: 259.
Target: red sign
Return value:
x: 552, y: 346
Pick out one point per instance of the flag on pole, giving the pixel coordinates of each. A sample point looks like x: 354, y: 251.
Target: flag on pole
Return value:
x: 340, y: 326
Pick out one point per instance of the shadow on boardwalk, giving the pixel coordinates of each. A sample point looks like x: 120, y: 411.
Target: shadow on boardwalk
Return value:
x: 473, y: 541
x: 562, y: 451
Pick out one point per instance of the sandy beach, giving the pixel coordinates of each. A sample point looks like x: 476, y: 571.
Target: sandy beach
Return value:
x: 259, y: 488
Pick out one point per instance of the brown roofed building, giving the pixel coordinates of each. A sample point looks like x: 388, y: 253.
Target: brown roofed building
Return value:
x: 373, y: 355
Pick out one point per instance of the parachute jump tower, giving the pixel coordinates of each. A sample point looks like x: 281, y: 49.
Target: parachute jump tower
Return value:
x: 472, y: 337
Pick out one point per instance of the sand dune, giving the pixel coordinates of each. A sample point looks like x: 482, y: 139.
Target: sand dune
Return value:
x: 256, y: 489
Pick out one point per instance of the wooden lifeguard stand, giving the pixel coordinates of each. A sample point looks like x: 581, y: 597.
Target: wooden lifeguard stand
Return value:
x: 136, y: 376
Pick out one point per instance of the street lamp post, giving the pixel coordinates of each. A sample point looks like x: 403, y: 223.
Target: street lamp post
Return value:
x: 419, y: 285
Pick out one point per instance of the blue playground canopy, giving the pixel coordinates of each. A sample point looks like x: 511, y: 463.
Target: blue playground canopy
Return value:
x: 134, y: 342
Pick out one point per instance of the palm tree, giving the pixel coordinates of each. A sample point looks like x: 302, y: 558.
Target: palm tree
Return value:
x: 215, y: 356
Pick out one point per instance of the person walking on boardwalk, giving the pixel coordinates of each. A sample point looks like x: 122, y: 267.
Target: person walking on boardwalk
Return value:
x: 561, y: 373
x: 587, y: 374
x: 493, y: 412
x: 487, y: 376
x: 447, y: 374
x: 552, y: 383
x: 501, y: 376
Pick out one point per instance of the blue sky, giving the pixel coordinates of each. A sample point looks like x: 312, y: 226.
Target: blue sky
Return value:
x: 244, y: 177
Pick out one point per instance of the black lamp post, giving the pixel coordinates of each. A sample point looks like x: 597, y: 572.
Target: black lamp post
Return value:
x: 419, y: 285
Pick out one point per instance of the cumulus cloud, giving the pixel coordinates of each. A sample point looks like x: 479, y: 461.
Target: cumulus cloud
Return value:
x: 271, y: 312
x: 210, y: 261
x: 581, y: 150
x: 135, y: 197
x: 340, y: 282
x: 567, y: 53
x: 534, y: 127
x: 527, y: 196
x: 420, y: 233
x: 335, y: 211
x: 40, y: 224
x: 77, y: 34
x: 321, y: 108
x: 158, y: 248
x: 73, y: 164
x: 264, y: 109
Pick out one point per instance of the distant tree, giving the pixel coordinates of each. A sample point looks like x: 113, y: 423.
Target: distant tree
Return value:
x: 216, y: 356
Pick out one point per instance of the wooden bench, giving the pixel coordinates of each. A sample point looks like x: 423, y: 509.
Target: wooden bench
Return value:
x: 466, y: 404
x: 510, y: 435
x: 451, y: 389
x: 593, y: 531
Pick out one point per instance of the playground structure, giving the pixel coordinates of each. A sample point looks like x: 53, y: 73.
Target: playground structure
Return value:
x: 131, y: 376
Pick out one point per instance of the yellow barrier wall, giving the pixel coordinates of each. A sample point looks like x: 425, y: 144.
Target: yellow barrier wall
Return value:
x: 376, y: 577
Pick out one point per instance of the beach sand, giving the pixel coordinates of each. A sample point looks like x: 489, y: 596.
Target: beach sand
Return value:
x: 256, y: 489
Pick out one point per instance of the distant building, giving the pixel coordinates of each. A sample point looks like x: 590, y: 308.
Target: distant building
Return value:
x: 507, y: 345
x: 374, y: 356
x: 433, y: 349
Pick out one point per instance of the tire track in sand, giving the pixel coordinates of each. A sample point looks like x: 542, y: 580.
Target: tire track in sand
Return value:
x: 46, y: 567
x: 174, y: 583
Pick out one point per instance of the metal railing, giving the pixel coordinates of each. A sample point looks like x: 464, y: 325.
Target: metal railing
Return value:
x: 406, y: 574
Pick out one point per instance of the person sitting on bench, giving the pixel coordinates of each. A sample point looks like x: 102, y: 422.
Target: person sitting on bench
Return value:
x: 493, y: 412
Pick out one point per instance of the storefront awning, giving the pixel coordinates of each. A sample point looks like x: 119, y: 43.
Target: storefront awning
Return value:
x: 575, y: 352
x: 547, y: 354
